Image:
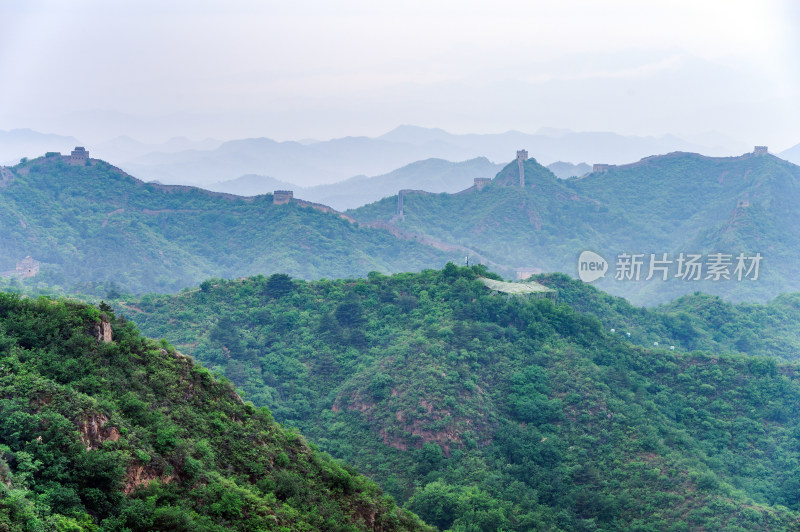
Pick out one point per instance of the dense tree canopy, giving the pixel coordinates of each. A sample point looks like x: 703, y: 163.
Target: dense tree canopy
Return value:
x: 481, y: 411
x: 132, y: 435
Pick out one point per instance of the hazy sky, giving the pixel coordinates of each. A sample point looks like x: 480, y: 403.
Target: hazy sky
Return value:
x: 298, y: 69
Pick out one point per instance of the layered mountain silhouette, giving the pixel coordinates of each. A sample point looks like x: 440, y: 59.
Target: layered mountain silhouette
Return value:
x: 671, y: 204
x: 311, y: 163
x: 432, y: 175
x: 146, y: 236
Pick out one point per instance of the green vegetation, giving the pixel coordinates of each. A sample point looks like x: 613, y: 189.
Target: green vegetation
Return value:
x: 674, y: 203
x: 98, y: 230
x: 692, y: 322
x: 481, y: 411
x: 131, y: 435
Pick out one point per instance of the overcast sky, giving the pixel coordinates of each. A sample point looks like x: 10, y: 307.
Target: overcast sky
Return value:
x: 298, y: 69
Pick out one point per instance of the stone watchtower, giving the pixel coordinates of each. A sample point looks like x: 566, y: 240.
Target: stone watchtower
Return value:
x: 27, y: 267
x: 279, y: 197
x: 78, y: 157
x: 522, y: 156
x: 481, y: 182
x: 601, y: 168
x: 760, y: 150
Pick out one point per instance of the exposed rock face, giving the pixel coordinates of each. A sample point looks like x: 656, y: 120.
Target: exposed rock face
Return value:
x: 102, y: 331
x: 94, y: 432
x: 139, y: 475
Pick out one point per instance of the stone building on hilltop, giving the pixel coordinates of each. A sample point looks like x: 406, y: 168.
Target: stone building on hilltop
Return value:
x: 27, y: 267
x: 78, y: 157
x: 279, y: 197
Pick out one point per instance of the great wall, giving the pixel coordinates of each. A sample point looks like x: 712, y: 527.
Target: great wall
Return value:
x: 29, y: 267
x: 283, y: 197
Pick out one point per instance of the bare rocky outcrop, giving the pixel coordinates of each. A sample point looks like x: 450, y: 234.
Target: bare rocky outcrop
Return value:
x: 446, y: 438
x: 94, y: 432
x: 102, y: 331
x: 140, y: 475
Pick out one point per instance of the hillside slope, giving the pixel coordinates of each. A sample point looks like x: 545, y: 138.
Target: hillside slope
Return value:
x: 671, y: 204
x: 692, y: 322
x: 95, y: 225
x: 481, y: 411
x: 99, y: 426
x: 541, y: 225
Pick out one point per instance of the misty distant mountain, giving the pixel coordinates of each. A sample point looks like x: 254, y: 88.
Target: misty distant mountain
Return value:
x: 19, y: 143
x: 432, y: 175
x: 304, y: 164
x: 121, y: 149
x: 550, y: 145
x: 564, y: 170
x: 310, y: 163
x: 792, y: 154
x: 252, y: 185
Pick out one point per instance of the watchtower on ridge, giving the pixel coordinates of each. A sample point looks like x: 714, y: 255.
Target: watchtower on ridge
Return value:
x: 522, y: 156
x: 78, y: 157
x: 279, y: 197
x: 480, y: 182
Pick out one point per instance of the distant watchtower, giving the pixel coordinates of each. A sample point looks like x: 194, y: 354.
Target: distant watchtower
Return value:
x: 27, y: 267
x: 78, y: 157
x: 481, y: 182
x: 600, y: 168
x: 522, y: 156
x: 279, y: 197
x: 760, y: 151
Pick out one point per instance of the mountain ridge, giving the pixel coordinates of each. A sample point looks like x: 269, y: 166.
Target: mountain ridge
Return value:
x: 675, y: 203
x: 300, y: 162
x: 718, y: 204
x: 145, y: 236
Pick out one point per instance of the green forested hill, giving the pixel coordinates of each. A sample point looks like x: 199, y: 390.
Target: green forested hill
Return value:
x: 692, y: 322
x: 676, y: 203
x: 542, y: 224
x: 131, y: 435
x: 483, y: 412
x: 96, y: 228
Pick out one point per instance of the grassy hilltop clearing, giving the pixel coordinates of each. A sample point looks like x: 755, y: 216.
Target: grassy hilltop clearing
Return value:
x: 480, y: 411
x: 102, y: 429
